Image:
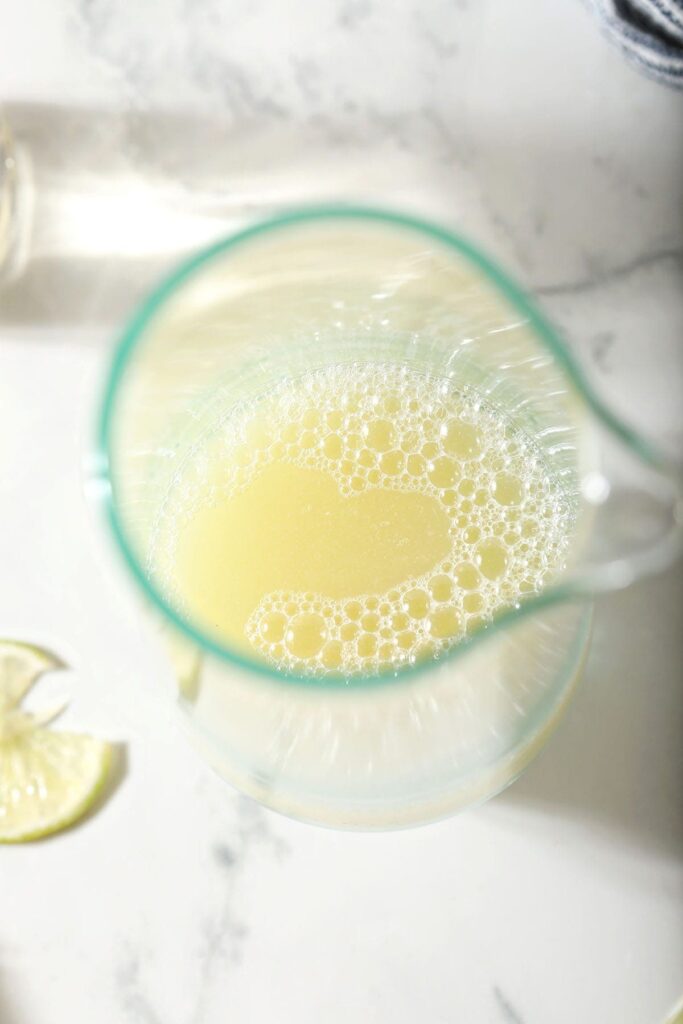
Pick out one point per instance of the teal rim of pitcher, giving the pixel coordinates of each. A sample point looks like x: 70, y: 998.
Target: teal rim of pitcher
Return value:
x: 548, y: 336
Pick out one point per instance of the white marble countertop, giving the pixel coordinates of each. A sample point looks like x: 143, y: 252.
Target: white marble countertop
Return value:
x: 180, y: 902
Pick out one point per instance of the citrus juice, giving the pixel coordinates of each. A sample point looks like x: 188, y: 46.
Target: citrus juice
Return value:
x: 357, y: 519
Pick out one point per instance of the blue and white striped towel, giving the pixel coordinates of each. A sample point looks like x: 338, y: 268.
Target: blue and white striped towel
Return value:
x: 650, y: 34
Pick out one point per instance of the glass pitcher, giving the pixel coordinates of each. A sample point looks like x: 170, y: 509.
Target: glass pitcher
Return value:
x: 325, y: 286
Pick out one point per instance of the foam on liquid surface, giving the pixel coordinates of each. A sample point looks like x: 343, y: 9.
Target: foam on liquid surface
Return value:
x: 358, y: 519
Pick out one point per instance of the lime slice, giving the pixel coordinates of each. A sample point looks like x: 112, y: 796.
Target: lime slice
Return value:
x: 47, y: 779
x: 20, y: 666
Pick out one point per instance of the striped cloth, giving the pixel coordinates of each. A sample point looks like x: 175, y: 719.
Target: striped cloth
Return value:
x: 650, y: 34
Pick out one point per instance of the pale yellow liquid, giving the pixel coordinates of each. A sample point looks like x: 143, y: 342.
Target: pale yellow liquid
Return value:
x: 356, y: 520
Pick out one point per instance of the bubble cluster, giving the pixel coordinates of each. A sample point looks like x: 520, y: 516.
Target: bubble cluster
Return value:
x: 387, y: 426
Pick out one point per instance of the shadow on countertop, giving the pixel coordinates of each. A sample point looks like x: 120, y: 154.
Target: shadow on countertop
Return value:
x: 9, y: 1012
x: 616, y: 761
x: 109, y: 200
x: 106, y: 201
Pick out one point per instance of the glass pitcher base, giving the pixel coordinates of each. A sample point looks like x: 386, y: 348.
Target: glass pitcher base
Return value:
x: 374, y: 811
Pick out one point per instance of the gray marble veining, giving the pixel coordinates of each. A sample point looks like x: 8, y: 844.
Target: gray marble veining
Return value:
x: 508, y: 1014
